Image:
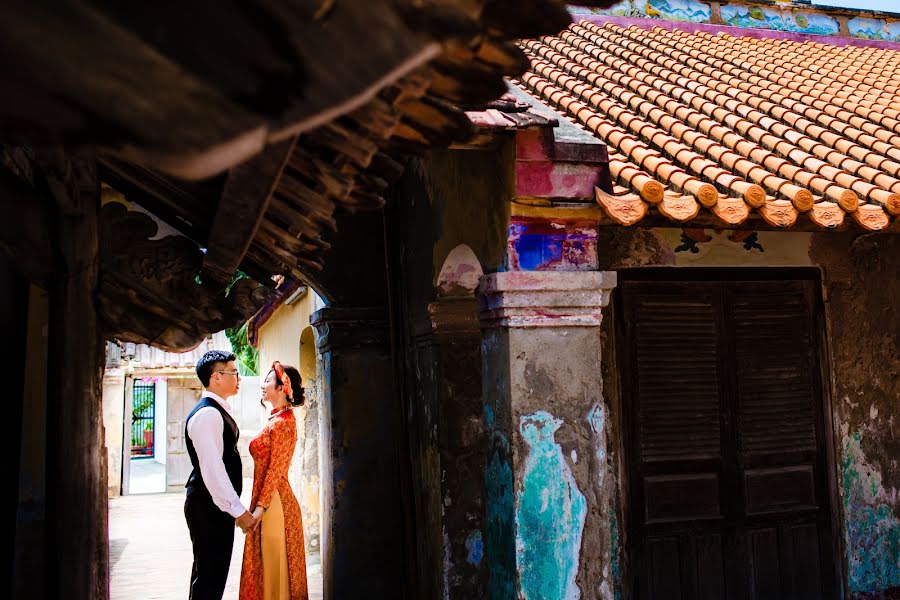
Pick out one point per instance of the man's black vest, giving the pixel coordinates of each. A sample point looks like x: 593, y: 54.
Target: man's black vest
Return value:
x: 196, y: 489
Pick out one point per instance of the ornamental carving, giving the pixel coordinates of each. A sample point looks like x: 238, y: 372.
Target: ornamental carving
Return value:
x: 149, y: 291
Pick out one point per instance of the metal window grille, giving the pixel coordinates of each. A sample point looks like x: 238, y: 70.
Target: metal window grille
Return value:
x: 143, y: 419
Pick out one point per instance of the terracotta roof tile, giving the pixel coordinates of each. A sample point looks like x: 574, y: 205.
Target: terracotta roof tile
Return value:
x: 738, y: 125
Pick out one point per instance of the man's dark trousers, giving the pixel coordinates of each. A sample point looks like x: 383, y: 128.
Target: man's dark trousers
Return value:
x: 212, y: 530
x: 212, y: 536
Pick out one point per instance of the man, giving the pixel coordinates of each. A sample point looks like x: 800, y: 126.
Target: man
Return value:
x: 213, y: 503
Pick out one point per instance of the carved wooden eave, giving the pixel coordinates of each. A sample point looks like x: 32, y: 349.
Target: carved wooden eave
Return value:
x: 197, y: 89
x: 322, y: 129
x: 148, y: 290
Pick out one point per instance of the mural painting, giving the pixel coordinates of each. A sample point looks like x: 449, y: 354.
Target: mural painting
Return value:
x: 693, y: 11
x: 874, y: 29
x: 779, y: 20
x: 715, y: 247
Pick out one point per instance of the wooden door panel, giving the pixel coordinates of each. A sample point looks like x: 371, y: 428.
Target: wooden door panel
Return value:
x: 726, y: 439
x: 682, y: 497
x: 765, y: 572
x: 704, y: 575
x: 677, y: 376
x: 665, y: 569
x: 782, y: 489
x: 774, y: 367
x: 802, y: 548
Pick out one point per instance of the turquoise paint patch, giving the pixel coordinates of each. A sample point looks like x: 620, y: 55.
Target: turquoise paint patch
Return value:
x: 550, y: 513
x: 488, y: 416
x: 872, y: 529
x: 614, y: 555
x: 474, y: 548
x: 499, y: 531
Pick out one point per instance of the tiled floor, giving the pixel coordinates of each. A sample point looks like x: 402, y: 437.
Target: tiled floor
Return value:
x: 150, y: 551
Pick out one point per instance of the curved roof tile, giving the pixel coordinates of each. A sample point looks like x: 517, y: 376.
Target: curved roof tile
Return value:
x: 737, y: 125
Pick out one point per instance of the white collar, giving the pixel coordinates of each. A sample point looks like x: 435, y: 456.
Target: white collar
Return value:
x: 222, y: 401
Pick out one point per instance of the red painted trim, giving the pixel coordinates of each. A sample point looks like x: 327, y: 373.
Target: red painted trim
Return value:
x: 288, y: 287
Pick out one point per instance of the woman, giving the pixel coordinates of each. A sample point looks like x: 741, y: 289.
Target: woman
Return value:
x: 274, y: 559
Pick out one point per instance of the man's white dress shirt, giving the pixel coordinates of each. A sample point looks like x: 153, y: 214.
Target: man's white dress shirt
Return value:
x: 205, y: 429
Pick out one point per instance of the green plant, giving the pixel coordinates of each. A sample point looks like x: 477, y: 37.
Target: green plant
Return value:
x: 247, y: 356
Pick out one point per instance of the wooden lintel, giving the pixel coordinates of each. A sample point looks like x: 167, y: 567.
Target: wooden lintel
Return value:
x: 242, y: 207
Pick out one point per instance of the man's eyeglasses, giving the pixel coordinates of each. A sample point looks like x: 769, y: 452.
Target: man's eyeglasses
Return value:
x: 232, y: 372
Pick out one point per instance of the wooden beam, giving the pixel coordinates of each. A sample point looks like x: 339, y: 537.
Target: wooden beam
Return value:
x: 243, y: 205
x: 77, y: 555
x: 13, y: 352
x: 187, y: 207
x: 25, y: 238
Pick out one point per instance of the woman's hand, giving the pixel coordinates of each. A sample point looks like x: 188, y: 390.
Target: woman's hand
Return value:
x: 258, y: 513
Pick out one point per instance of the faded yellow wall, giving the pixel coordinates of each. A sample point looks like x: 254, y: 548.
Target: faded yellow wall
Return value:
x: 279, y: 337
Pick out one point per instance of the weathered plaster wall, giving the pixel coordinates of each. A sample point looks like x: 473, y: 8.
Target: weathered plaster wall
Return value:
x: 861, y: 275
x: 549, y: 531
x: 449, y: 202
x: 862, y: 285
x: 113, y: 415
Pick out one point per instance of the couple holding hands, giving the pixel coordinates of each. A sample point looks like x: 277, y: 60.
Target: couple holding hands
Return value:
x: 274, y: 565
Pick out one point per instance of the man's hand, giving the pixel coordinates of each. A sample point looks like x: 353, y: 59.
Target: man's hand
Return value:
x: 246, y: 522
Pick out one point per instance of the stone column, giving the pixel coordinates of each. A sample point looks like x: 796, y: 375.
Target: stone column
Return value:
x: 456, y: 345
x: 362, y: 523
x: 548, y: 524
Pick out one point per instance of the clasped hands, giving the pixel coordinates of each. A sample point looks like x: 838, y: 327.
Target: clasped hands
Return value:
x: 250, y: 521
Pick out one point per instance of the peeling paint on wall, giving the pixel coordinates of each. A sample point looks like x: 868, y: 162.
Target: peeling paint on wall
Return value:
x: 597, y: 419
x: 475, y: 547
x: 873, y: 531
x: 614, y: 554
x: 550, y: 514
x: 540, y: 244
x: 499, y: 527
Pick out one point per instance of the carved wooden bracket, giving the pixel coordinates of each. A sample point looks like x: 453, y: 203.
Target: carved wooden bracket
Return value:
x: 149, y: 291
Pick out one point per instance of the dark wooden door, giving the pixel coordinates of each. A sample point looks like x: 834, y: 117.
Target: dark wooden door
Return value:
x: 729, y: 487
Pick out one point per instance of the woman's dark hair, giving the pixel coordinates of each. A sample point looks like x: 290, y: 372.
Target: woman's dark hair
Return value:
x: 296, y: 385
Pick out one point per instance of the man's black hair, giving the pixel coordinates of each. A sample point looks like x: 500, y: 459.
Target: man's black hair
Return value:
x: 209, y: 362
